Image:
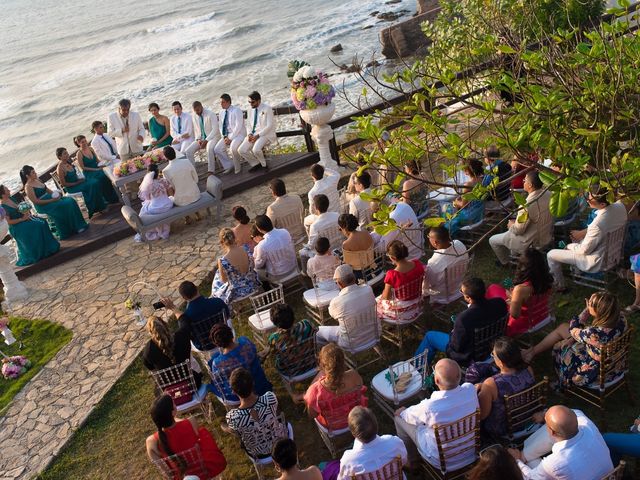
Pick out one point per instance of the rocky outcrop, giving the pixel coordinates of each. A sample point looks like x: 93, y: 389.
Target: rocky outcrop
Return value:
x: 425, y: 6
x: 406, y: 38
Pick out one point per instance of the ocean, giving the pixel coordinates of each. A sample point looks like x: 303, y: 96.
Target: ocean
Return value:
x: 66, y: 64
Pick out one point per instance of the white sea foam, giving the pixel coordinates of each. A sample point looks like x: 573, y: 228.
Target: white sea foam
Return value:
x: 183, y: 23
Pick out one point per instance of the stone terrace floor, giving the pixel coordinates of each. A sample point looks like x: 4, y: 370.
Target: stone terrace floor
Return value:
x: 87, y: 296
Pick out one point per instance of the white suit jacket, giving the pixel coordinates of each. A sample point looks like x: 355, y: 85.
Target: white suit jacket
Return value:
x: 235, y: 122
x: 185, y: 127
x: 590, y: 251
x: 537, y: 229
x: 266, y: 124
x: 211, y: 127
x: 100, y: 145
x: 182, y: 175
x: 127, y: 143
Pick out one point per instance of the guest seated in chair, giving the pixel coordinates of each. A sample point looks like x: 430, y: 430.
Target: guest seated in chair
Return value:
x: 528, y: 300
x: 235, y: 276
x: 495, y: 462
x: 412, y: 236
x: 155, y: 194
x: 242, y: 230
x: 466, y: 211
x: 333, y: 381
x: 322, y: 221
x: 405, y: 272
x: 514, y: 376
x: 358, y: 247
x: 325, y: 182
x: 588, y: 250
x: 481, y: 312
x: 88, y: 162
x: 358, y: 207
x: 275, y: 240
x: 231, y: 355
x: 182, y: 175
x: 370, y: 451
x: 285, y: 205
x: 497, y: 167
x: 627, y: 444
x: 451, y: 402
x: 576, y: 345
x: 569, y: 447
x: 176, y: 436
x: 285, y: 461
x: 69, y: 180
x: 323, y: 265
x: 447, y: 253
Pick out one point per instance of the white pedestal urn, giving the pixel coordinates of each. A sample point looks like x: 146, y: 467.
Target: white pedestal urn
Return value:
x: 322, y: 133
x: 14, y: 289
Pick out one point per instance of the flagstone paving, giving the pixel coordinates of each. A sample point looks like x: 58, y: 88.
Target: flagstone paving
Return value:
x: 87, y: 296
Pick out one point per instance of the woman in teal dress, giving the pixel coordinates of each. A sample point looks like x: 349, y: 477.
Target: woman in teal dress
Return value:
x: 88, y: 163
x: 159, y: 127
x: 32, y: 235
x: 63, y: 211
x: 89, y: 188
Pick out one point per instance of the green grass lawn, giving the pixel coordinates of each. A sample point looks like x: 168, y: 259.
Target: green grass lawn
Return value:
x: 111, y: 443
x: 41, y: 340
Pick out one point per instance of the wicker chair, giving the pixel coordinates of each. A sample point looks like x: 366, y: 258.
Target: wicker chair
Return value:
x: 519, y: 408
x: 484, y: 337
x: 390, y: 471
x: 404, y: 312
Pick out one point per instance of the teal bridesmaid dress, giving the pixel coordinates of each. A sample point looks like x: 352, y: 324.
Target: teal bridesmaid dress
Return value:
x: 65, y: 214
x: 99, y: 177
x: 90, y: 190
x: 157, y: 130
x: 33, y: 238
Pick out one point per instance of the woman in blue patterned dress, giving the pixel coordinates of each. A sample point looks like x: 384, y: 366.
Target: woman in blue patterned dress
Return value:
x: 235, y: 277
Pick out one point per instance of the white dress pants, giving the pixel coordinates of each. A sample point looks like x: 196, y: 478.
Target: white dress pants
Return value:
x: 182, y: 145
x: 190, y: 152
x: 556, y: 258
x: 222, y: 152
x: 252, y: 152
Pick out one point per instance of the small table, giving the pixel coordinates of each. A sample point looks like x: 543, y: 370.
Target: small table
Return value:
x: 120, y: 183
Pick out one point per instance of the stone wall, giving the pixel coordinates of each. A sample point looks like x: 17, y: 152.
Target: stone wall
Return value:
x: 406, y: 38
x: 425, y: 6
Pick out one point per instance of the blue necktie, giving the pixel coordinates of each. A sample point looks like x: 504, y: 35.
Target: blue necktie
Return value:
x: 255, y: 121
x: 108, y: 144
x: 224, y: 124
x: 179, y: 124
x: 202, y: 132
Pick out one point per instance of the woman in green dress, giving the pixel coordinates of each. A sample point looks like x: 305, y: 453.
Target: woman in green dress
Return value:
x: 32, y: 235
x: 88, y: 163
x: 63, y: 211
x: 89, y: 188
x: 159, y: 127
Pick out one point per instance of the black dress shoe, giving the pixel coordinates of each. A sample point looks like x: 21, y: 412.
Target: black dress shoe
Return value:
x: 255, y: 168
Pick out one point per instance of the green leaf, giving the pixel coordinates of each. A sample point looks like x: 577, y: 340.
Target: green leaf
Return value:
x: 520, y: 199
x: 585, y: 132
x: 559, y: 204
x: 547, y: 177
x: 506, y: 49
x: 433, y: 222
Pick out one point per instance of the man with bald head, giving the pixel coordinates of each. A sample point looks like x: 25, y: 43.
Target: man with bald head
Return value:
x: 414, y: 425
x: 572, y: 447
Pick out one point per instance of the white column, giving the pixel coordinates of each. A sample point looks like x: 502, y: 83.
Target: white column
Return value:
x: 14, y: 289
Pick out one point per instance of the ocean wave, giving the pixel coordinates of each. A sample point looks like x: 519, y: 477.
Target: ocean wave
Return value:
x: 183, y: 23
x: 238, y: 31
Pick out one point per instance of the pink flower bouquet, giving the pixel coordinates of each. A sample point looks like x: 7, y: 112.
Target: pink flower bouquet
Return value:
x: 142, y: 162
x: 311, y: 88
x: 13, y: 367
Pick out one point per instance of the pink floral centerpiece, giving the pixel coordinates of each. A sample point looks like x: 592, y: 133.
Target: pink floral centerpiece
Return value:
x: 310, y: 88
x: 13, y: 367
x: 141, y: 162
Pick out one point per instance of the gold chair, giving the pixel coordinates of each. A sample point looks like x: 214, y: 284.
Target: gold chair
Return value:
x: 519, y: 408
x: 617, y: 473
x: 389, y: 471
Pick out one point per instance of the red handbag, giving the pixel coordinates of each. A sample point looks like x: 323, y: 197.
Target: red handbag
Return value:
x: 180, y: 392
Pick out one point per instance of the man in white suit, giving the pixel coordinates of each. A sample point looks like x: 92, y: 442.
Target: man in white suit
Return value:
x: 128, y: 130
x: 207, y: 134
x: 233, y: 132
x: 587, y: 253
x: 262, y: 131
x: 182, y: 175
x: 104, y: 146
x: 181, y: 128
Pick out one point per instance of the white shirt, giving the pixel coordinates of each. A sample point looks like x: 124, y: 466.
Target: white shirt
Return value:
x: 404, y: 216
x: 266, y: 123
x: 211, y: 127
x: 235, y: 122
x: 182, y: 175
x: 583, y: 457
x: 351, y: 303
x: 321, y: 224
x: 441, y: 259
x: 327, y: 185
x: 444, y: 406
x: 127, y: 143
x: 369, y: 457
x: 361, y: 209
x: 178, y: 132
x: 277, y: 239
x: 100, y: 145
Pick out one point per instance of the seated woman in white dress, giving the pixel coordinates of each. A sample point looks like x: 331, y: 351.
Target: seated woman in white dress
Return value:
x: 154, y: 193
x: 235, y: 276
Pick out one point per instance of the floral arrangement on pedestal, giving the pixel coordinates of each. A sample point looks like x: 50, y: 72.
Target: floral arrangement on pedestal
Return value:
x: 310, y: 88
x: 133, y: 303
x: 13, y: 367
x: 141, y: 162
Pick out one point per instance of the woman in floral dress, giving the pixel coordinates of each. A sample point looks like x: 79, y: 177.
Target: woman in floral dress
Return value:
x: 576, y: 345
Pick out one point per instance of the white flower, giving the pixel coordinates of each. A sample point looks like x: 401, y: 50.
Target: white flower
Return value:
x: 308, y: 72
x: 297, y: 76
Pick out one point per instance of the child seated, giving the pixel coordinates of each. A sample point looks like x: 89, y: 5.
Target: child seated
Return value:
x: 323, y: 264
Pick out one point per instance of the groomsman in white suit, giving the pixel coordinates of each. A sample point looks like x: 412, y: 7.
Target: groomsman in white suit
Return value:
x: 233, y: 132
x: 181, y: 128
x: 104, y: 146
x: 128, y: 130
x: 262, y: 131
x: 207, y: 134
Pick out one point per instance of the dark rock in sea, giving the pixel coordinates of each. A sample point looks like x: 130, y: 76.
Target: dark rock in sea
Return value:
x: 391, y: 16
x: 373, y: 63
x: 336, y: 48
x: 367, y: 27
x: 392, y: 2
x: 350, y: 68
x: 374, y: 13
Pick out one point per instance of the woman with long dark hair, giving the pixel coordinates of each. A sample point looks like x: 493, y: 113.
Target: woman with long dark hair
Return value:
x: 71, y: 183
x: 242, y: 230
x: 495, y: 462
x: 529, y: 298
x: 175, y: 437
x: 88, y: 162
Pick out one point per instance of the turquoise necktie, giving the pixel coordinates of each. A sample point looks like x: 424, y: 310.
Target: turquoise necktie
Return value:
x: 255, y: 121
x: 202, y: 132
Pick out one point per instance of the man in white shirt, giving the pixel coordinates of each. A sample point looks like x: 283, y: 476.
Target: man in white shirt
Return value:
x: 359, y: 207
x: 286, y: 205
x: 450, y: 403
x: 352, y: 303
x: 207, y: 134
x: 233, y: 133
x: 325, y: 182
x: 588, y: 250
x: 181, y: 128
x: 274, y: 255
x: 408, y: 231
x: 104, y: 146
x: 446, y: 253
x: 572, y: 447
x: 262, y: 131
x: 182, y: 175
x: 370, y: 451
x: 128, y: 130
x: 323, y: 221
